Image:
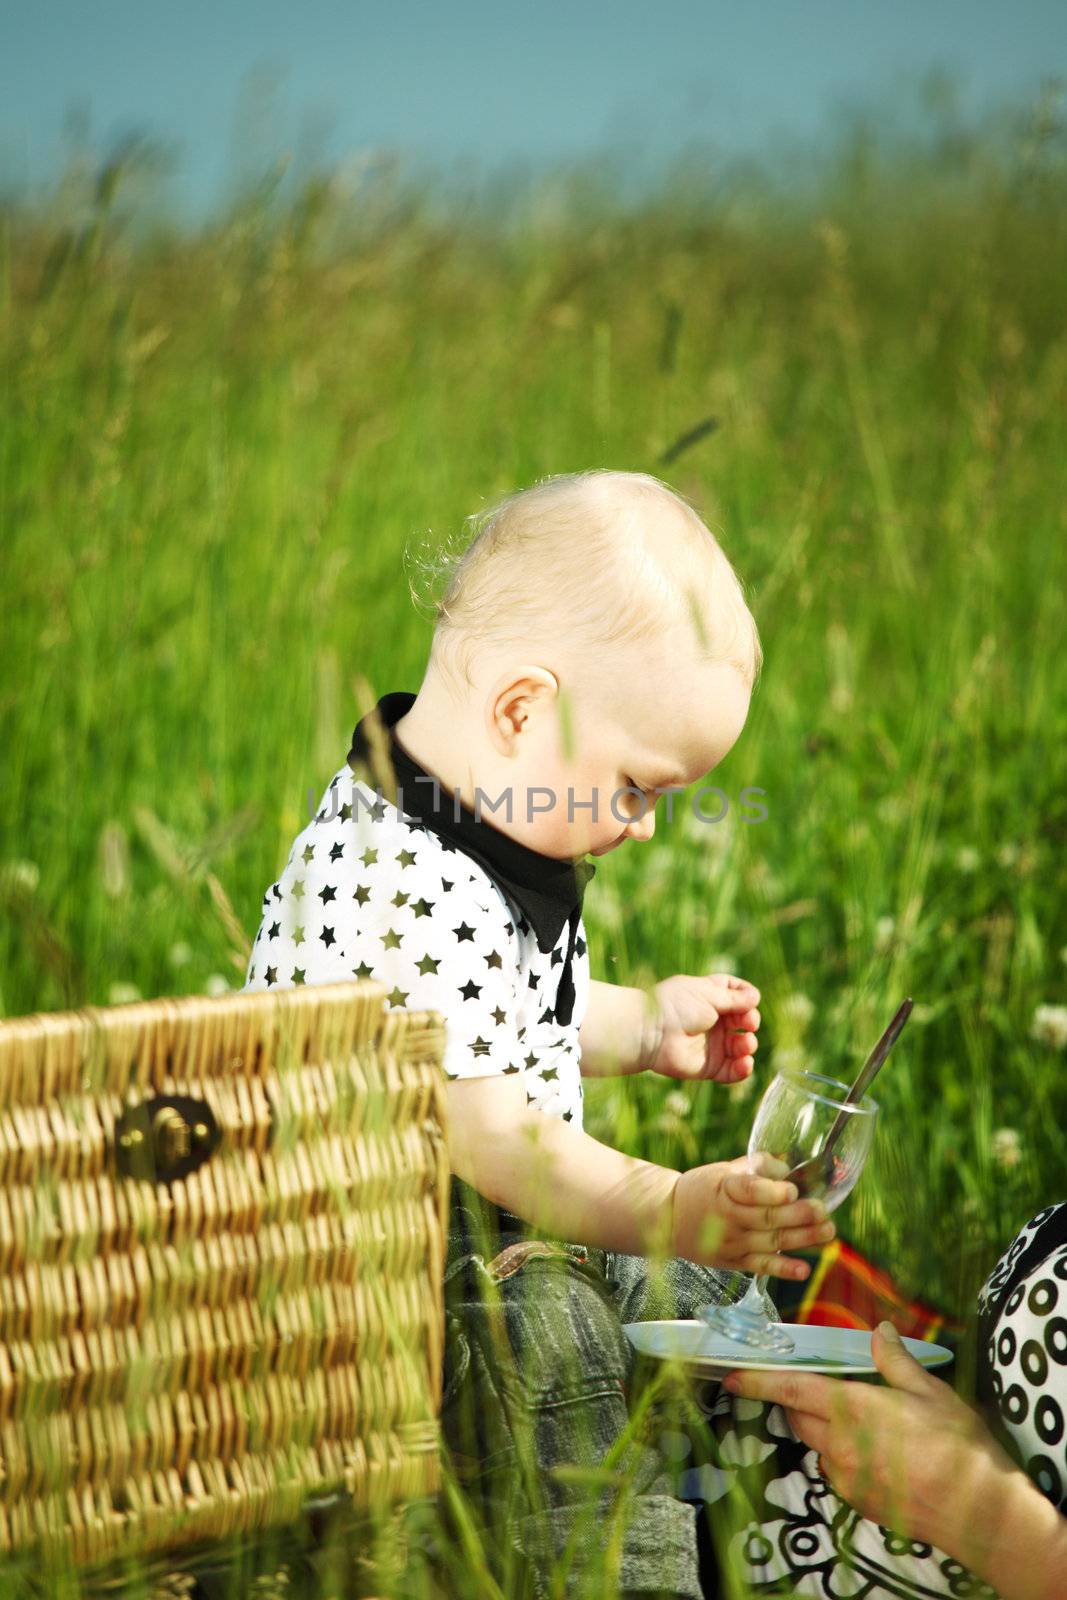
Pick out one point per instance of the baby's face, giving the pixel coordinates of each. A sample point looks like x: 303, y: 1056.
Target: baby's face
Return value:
x: 656, y: 725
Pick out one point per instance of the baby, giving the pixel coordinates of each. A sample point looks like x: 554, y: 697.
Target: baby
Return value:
x: 593, y: 649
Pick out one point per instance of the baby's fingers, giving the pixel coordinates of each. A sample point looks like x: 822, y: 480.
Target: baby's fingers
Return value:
x: 774, y: 1239
x: 746, y: 1189
x: 766, y: 1264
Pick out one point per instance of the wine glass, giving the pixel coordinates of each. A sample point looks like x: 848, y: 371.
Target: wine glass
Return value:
x: 792, y: 1123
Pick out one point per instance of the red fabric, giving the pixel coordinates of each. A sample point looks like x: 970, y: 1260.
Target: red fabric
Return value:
x: 846, y: 1290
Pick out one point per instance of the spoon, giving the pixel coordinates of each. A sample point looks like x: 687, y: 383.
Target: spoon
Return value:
x: 817, y: 1171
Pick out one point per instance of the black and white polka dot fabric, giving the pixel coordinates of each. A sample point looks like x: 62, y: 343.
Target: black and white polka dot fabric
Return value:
x: 369, y: 891
x: 1023, y: 1359
x: 802, y: 1534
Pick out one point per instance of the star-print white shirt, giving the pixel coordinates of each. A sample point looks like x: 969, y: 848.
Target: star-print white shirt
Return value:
x: 368, y: 892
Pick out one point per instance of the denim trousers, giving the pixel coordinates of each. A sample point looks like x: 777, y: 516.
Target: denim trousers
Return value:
x: 539, y: 1380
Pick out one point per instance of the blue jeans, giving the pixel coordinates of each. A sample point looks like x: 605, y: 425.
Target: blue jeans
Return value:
x: 539, y: 1376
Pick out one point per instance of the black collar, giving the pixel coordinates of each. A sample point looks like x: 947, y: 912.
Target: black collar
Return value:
x: 547, y: 890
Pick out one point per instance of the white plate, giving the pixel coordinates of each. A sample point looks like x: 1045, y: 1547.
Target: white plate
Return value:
x: 842, y: 1351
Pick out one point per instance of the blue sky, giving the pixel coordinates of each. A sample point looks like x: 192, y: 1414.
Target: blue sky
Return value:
x: 470, y: 84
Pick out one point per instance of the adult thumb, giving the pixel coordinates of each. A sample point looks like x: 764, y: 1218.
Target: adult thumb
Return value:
x: 898, y: 1367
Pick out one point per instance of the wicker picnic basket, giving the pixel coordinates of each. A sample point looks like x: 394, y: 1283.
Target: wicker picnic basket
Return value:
x: 222, y: 1235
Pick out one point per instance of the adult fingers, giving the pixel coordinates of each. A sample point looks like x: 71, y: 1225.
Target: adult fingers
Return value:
x: 813, y: 1430
x: 899, y: 1367
x: 805, y: 1392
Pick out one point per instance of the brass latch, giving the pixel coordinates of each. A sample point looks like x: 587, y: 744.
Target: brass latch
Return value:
x: 165, y: 1137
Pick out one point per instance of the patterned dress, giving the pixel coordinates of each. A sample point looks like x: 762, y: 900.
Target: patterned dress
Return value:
x: 801, y: 1536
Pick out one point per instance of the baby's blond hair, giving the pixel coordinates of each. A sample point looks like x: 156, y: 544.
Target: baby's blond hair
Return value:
x: 582, y: 557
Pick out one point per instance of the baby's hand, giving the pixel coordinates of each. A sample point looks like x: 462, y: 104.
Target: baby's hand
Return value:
x: 742, y: 1214
x: 707, y: 1027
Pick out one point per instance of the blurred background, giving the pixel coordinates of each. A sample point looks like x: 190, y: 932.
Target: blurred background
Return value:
x: 285, y: 297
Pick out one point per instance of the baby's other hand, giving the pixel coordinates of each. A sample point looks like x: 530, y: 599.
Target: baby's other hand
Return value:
x: 743, y: 1214
x: 707, y: 1027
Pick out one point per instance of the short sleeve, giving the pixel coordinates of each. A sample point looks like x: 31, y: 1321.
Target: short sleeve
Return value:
x: 464, y: 966
x: 396, y: 908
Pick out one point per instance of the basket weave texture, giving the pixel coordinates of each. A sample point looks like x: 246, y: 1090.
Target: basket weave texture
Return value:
x: 192, y: 1357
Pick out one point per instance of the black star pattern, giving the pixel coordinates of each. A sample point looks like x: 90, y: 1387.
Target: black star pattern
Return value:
x: 345, y: 812
x: 474, y: 960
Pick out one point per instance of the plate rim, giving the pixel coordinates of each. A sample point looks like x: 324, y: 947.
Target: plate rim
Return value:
x: 709, y: 1365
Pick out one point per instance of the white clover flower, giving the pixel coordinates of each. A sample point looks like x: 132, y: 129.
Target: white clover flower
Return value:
x: 884, y: 930
x: 677, y: 1103
x: 967, y: 858
x: 215, y: 985
x: 180, y: 954
x: 797, y: 1008
x: 1049, y: 1026
x: 787, y: 1058
x: 1008, y: 854
x: 123, y: 994
x: 1006, y: 1149
x: 26, y: 874
x: 721, y: 962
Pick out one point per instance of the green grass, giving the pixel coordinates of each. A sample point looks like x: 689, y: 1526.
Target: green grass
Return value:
x: 215, y: 450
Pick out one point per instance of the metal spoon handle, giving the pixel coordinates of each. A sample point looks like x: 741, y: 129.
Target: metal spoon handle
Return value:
x: 869, y: 1071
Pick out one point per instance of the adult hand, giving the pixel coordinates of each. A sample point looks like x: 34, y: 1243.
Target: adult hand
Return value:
x: 706, y: 1028
x: 912, y: 1457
